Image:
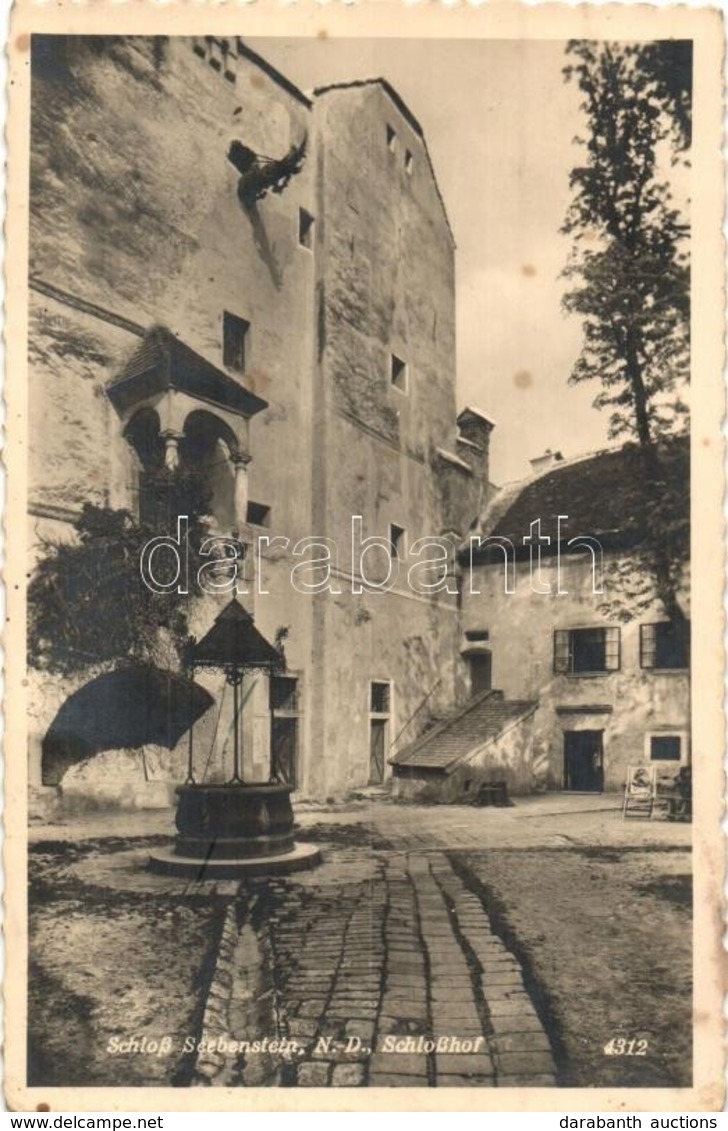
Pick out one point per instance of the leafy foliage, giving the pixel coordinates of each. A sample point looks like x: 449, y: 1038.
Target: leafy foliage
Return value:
x: 87, y: 602
x: 657, y: 568
x: 630, y: 275
x: 630, y: 266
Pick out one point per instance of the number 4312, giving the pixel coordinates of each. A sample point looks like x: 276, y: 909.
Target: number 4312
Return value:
x: 620, y: 1046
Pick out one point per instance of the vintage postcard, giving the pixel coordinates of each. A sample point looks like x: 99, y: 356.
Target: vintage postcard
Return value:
x: 364, y: 698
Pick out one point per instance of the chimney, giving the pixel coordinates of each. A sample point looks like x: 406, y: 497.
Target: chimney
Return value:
x: 473, y: 440
x: 546, y: 461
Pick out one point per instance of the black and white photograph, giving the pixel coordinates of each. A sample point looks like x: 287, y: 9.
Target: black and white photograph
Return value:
x: 360, y: 749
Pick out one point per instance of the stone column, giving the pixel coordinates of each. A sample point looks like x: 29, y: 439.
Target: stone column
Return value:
x: 171, y: 449
x: 240, y: 463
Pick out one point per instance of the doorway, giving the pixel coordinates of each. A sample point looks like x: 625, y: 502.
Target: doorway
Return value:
x: 377, y: 747
x: 283, y: 691
x: 481, y: 672
x: 583, y: 761
x: 380, y: 702
x: 283, y: 744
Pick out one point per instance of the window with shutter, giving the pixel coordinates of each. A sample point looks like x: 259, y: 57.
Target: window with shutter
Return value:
x: 586, y: 650
x: 665, y: 646
x: 562, y: 650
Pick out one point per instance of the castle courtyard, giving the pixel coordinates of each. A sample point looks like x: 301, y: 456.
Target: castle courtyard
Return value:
x: 434, y: 946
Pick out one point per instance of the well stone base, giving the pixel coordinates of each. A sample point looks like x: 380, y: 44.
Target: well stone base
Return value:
x: 169, y: 863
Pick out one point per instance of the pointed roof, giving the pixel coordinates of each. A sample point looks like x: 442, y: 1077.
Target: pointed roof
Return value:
x: 234, y: 643
x: 164, y: 362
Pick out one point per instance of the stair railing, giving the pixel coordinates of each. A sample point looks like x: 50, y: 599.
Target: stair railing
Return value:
x: 414, y: 714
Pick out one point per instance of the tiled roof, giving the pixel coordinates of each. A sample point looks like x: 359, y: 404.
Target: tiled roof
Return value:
x: 602, y: 494
x: 162, y: 362
x: 482, y: 718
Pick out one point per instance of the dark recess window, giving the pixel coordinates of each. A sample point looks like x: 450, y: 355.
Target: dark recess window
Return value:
x: 397, y: 540
x: 665, y: 645
x: 305, y: 228
x: 665, y: 748
x: 408, y: 161
x: 398, y: 373
x: 258, y: 514
x: 283, y: 693
x: 583, y: 650
x: 234, y: 332
x: 391, y: 139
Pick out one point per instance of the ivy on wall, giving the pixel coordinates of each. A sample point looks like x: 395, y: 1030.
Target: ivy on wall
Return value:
x: 87, y: 602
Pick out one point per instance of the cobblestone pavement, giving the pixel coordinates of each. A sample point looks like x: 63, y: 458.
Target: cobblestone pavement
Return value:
x: 380, y: 967
x: 379, y: 970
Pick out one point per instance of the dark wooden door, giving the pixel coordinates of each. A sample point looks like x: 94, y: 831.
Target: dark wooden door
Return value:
x: 284, y: 740
x: 480, y: 673
x: 583, y: 761
x: 377, y: 750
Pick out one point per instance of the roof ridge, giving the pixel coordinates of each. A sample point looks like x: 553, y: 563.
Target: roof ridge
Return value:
x: 545, y: 485
x: 376, y: 80
x: 409, y: 117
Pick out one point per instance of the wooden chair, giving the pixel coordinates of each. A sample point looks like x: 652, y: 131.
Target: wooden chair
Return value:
x: 640, y: 792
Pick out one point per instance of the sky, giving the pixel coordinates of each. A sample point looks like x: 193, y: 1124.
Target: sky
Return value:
x: 499, y: 122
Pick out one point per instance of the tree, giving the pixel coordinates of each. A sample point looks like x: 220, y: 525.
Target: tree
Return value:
x: 630, y: 275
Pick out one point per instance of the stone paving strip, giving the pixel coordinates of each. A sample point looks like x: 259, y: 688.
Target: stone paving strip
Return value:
x: 383, y: 975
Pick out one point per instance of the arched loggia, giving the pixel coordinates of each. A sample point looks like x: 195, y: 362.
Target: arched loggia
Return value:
x: 209, y: 446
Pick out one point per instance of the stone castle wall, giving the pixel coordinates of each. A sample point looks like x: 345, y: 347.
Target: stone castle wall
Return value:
x: 136, y: 221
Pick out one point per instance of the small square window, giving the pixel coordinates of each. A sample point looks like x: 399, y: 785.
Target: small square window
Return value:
x: 379, y: 698
x: 397, y: 539
x: 305, y: 228
x: 665, y: 747
x: 216, y: 56
x: 398, y: 373
x: 234, y: 333
x: 229, y: 61
x: 391, y: 139
x: 258, y: 514
x: 408, y: 160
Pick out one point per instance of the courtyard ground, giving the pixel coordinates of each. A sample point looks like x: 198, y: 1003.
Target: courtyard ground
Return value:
x: 525, y: 939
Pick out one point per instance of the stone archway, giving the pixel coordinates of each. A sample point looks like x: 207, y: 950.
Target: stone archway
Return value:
x: 123, y: 710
